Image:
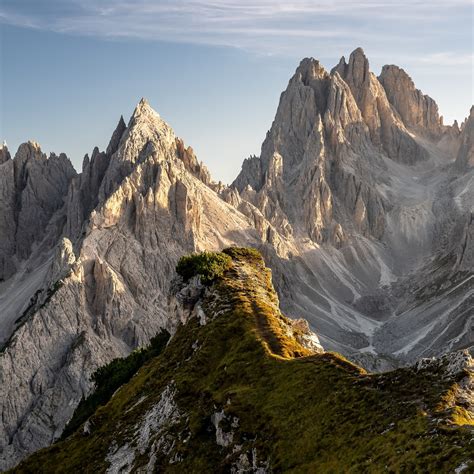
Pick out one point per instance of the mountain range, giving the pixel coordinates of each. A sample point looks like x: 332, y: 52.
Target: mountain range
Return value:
x: 361, y: 203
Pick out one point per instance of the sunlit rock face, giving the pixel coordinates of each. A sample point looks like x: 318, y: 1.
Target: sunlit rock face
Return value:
x: 361, y: 202
x: 360, y: 173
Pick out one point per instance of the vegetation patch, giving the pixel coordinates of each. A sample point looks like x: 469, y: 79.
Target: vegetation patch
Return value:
x: 250, y: 254
x: 208, y: 265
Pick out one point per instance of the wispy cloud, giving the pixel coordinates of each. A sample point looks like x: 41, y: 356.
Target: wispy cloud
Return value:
x: 263, y: 26
x: 448, y: 59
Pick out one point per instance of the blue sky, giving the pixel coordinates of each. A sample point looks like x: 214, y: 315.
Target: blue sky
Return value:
x: 213, y: 69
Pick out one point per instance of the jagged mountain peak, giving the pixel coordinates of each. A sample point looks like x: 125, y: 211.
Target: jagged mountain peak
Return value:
x: 417, y: 110
x: 356, y: 69
x: 465, y: 157
x: 30, y: 154
x: 358, y: 66
x: 145, y: 135
x: 29, y: 150
x: 4, y: 154
x: 144, y: 108
x: 310, y: 69
x: 116, y: 136
x: 463, y: 123
x: 146, y: 124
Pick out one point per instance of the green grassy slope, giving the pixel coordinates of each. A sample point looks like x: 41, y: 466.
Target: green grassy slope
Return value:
x: 283, y: 407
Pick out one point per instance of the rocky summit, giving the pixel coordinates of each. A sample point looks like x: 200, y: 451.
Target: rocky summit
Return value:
x: 361, y: 203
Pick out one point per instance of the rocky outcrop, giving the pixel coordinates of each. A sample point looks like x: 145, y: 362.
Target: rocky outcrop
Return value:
x: 308, y: 157
x: 465, y: 157
x: 386, y: 127
x: 41, y: 185
x: 417, y: 110
x: 4, y: 154
x: 7, y: 216
x: 459, y: 367
x: 33, y: 189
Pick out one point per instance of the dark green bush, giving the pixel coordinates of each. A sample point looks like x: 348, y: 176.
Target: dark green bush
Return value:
x: 208, y: 265
x: 111, y: 377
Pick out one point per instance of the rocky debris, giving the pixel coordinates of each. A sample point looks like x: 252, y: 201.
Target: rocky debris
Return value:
x: 224, y: 438
x: 303, y: 334
x: 250, y: 462
x: 459, y: 367
x: 452, y: 364
x: 184, y: 301
x: 150, y: 435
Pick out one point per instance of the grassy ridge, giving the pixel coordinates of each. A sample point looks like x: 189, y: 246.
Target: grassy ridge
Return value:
x: 299, y: 411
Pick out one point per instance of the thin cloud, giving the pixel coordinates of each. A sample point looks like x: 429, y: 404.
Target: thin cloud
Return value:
x: 152, y: 19
x: 263, y: 26
x: 449, y: 59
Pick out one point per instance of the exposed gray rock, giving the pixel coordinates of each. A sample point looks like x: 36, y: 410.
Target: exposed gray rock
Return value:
x: 150, y: 436
x: 465, y: 157
x: 4, y: 154
x: 116, y: 137
x: 457, y: 366
x: 386, y: 127
x: 33, y: 190
x: 417, y: 110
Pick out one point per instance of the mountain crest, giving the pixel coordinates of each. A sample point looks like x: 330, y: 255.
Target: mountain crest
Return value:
x: 465, y: 157
x: 417, y: 110
x: 237, y: 375
x: 4, y: 154
x: 116, y: 136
